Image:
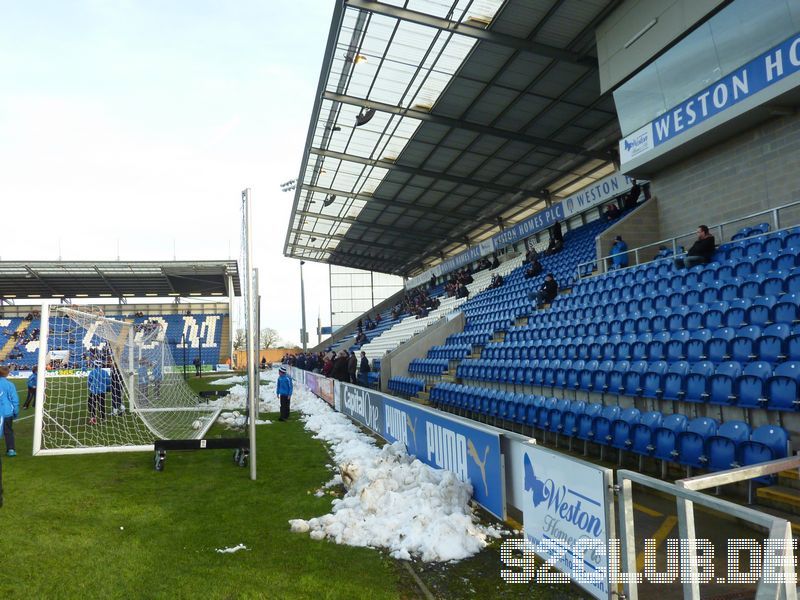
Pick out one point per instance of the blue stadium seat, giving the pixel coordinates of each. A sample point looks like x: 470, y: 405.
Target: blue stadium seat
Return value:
x: 621, y: 429
x: 601, y: 425
x: 721, y: 383
x: 653, y: 378
x: 696, y: 387
x: 674, y: 381
x: 782, y: 387
x: 691, y: 444
x: 767, y: 442
x: 722, y: 449
x: 665, y: 436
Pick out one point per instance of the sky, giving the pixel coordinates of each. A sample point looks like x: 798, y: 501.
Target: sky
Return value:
x: 128, y: 128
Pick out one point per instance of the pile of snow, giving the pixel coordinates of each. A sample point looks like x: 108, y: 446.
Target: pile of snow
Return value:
x: 236, y: 400
x: 232, y: 549
x: 229, y: 380
x: 236, y: 420
x: 393, y: 501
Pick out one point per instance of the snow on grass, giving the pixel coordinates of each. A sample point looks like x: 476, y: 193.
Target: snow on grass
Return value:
x: 232, y: 549
x: 393, y: 501
x: 236, y: 420
x: 229, y: 380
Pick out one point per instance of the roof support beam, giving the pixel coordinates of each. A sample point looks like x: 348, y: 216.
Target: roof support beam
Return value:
x: 357, y: 223
x: 474, y: 32
x: 342, y: 238
x: 460, y: 124
x: 36, y: 276
x: 368, y: 198
x: 107, y: 282
x: 333, y: 251
x: 385, y: 164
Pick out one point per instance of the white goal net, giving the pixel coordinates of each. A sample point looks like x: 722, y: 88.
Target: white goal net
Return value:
x: 111, y: 385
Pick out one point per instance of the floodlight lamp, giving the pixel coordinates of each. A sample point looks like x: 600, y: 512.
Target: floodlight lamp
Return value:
x: 364, y: 116
x: 329, y: 200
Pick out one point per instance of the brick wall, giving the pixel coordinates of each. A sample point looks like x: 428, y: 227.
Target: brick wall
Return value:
x: 753, y: 171
x: 637, y: 228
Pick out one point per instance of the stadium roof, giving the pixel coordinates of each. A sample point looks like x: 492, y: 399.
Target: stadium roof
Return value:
x: 485, y: 111
x: 116, y: 279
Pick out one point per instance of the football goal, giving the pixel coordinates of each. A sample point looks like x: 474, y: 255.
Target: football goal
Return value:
x: 110, y: 384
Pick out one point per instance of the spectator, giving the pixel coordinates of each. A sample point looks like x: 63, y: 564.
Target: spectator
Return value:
x: 432, y: 281
x: 363, y: 368
x: 327, y: 366
x: 352, y: 367
x: 531, y: 256
x: 31, y: 388
x: 612, y: 212
x: 633, y: 196
x: 495, y: 261
x: 483, y: 264
x: 198, y: 366
x: 339, y: 370
x: 497, y: 281
x: 98, y: 382
x: 462, y: 291
x: 117, y: 407
x: 283, y: 389
x: 701, y: 251
x: 9, y: 410
x: 546, y: 293
x: 619, y: 253
x: 534, y: 269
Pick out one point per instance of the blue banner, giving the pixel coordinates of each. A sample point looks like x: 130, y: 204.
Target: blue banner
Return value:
x: 470, y: 452
x: 769, y: 68
x: 541, y: 220
x: 364, y: 406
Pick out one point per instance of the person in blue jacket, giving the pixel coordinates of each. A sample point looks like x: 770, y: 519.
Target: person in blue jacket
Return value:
x: 619, y: 253
x: 284, y: 390
x: 98, y: 382
x: 31, y: 399
x: 9, y: 409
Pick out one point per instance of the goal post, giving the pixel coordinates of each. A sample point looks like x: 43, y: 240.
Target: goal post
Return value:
x: 114, y: 387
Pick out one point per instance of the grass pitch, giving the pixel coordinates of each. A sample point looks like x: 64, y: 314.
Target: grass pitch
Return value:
x: 109, y: 526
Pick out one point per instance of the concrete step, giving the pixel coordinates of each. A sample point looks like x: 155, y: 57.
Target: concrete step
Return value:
x: 780, y: 497
x: 499, y: 336
x: 425, y: 396
x: 449, y: 378
x: 474, y: 355
x: 790, y: 479
x: 521, y: 321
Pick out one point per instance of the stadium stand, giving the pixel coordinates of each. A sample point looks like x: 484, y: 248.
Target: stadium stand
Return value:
x: 717, y: 338
x: 204, y: 333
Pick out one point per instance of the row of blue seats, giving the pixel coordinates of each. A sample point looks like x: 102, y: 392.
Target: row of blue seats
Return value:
x: 407, y: 386
x: 428, y: 366
x: 453, y: 351
x: 476, y: 337
x: 698, y: 279
x: 665, y: 319
x: 700, y: 442
x: 757, y: 310
x: 755, y: 385
x: 779, y: 317
x: 774, y: 343
x: 745, y: 232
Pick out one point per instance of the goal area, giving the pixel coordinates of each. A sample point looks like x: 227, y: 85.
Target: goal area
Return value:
x: 110, y: 384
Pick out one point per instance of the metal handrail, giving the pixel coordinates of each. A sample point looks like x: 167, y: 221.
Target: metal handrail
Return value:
x: 673, y: 241
x: 779, y: 531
